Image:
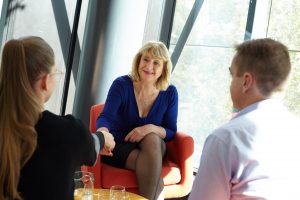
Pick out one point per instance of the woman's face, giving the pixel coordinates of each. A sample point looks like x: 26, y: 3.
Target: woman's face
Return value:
x: 150, y: 68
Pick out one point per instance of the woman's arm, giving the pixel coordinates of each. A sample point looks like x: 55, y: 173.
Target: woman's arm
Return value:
x: 170, y: 117
x: 138, y: 133
x: 112, y: 104
x: 109, y: 142
x: 167, y: 129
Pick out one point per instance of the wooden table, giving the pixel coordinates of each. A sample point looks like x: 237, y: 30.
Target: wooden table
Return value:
x: 104, y: 193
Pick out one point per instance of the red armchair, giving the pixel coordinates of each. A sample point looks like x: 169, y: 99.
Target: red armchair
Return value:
x: 177, y: 171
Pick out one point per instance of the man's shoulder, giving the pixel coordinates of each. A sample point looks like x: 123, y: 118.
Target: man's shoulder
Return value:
x: 232, y: 130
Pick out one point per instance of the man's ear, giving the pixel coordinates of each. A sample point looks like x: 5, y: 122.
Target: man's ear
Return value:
x: 248, y: 82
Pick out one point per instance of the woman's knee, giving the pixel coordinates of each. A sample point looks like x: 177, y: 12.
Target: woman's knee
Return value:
x: 153, y: 142
x: 151, y: 139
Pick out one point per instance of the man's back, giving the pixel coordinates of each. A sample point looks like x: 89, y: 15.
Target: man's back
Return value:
x: 268, y: 165
x: 254, y: 156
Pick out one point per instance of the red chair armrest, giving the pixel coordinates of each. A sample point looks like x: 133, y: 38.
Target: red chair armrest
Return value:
x: 96, y: 170
x: 180, y: 151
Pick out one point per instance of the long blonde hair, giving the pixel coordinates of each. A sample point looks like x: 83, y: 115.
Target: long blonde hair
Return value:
x: 23, y: 62
x: 158, y: 50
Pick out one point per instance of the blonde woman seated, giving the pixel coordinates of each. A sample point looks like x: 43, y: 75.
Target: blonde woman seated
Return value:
x: 141, y: 113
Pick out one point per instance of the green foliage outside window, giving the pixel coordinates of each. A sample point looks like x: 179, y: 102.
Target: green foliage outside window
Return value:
x: 201, y: 74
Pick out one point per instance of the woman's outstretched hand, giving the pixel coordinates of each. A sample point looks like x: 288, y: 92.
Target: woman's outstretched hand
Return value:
x: 109, y: 144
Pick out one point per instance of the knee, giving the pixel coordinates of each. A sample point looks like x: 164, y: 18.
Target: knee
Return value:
x: 153, y: 143
x: 152, y: 139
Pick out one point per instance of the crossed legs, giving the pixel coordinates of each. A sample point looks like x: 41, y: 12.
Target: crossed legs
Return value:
x: 147, y: 164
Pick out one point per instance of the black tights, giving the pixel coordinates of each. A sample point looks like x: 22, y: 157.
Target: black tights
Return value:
x: 148, y: 165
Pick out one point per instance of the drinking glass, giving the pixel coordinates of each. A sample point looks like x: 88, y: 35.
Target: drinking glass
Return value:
x: 117, y: 192
x: 102, y: 196
x: 84, y: 185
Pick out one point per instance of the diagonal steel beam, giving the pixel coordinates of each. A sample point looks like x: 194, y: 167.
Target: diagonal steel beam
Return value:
x: 186, y: 31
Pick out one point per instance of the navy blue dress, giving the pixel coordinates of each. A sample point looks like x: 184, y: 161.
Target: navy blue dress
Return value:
x: 120, y: 115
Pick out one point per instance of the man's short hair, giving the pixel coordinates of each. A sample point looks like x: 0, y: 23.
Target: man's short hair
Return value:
x: 268, y: 60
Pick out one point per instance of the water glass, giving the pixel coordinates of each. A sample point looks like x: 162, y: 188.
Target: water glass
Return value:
x: 102, y: 196
x: 117, y: 192
x: 84, y: 185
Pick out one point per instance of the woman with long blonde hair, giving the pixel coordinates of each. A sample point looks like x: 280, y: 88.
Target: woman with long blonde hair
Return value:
x: 38, y: 157
x: 141, y: 112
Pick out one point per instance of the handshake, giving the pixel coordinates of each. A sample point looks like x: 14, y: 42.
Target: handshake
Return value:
x: 109, y: 143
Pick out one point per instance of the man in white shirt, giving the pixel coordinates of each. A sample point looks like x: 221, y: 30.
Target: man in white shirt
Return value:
x: 256, y: 155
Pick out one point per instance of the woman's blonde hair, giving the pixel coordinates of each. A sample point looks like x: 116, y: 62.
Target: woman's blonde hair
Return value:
x: 157, y: 50
x: 23, y: 62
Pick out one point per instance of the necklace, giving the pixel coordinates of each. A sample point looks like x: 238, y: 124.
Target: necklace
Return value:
x: 144, y: 99
x: 145, y: 103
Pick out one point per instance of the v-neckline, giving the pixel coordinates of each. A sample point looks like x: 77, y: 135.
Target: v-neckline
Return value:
x: 136, y: 104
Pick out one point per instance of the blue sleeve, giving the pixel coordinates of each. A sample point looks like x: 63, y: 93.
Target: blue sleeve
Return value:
x: 170, y: 117
x: 112, y: 104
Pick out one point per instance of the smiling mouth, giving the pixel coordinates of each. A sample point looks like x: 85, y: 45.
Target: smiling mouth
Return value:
x: 148, y: 73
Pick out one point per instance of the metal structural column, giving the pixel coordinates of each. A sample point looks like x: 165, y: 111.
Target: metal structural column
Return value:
x: 113, y: 34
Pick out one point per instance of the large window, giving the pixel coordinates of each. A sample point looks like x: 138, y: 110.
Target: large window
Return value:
x: 52, y: 21
x: 201, y: 73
